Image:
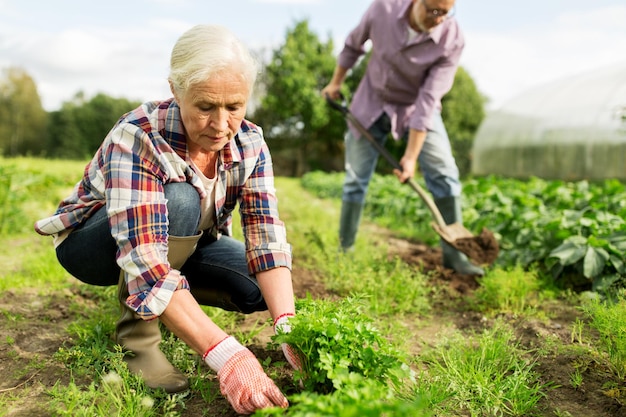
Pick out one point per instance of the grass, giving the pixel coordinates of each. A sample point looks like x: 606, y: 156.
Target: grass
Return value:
x: 487, y: 374
x: 609, y: 320
x: 481, y: 372
x: 509, y: 290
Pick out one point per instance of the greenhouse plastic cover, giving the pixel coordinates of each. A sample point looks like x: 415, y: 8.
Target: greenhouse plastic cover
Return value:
x: 570, y: 129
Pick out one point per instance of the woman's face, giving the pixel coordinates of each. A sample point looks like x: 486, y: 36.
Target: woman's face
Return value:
x: 212, y: 110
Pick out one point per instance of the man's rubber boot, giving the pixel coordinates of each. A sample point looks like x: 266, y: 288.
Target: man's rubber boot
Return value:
x: 450, y: 208
x: 141, y: 339
x: 349, y: 221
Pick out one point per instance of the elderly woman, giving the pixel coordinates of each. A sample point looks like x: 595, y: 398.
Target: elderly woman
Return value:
x: 152, y: 214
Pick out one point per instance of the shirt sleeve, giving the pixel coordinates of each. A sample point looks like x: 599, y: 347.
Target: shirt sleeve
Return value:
x: 137, y: 211
x: 264, y: 232
x: 438, y: 82
x: 354, y: 45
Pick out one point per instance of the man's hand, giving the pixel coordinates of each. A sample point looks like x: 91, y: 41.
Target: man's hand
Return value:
x: 411, y: 153
x: 408, y: 169
x: 242, y: 379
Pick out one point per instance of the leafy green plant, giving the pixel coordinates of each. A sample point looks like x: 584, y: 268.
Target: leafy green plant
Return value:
x: 361, y: 398
x: 336, y: 342
x: 574, y: 230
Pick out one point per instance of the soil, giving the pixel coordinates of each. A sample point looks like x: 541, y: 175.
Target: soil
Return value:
x: 29, y: 370
x: 482, y: 249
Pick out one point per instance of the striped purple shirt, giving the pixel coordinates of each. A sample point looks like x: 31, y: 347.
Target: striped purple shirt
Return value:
x: 146, y: 149
x: 405, y: 78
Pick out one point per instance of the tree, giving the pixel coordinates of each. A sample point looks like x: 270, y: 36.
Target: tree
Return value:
x: 22, y: 117
x: 296, y: 119
x: 78, y: 129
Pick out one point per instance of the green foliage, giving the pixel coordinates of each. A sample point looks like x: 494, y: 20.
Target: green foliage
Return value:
x: 11, y: 217
x: 23, y: 120
x: 487, y: 376
x: 116, y: 393
x: 575, y: 231
x: 327, y: 333
x: 362, y: 398
x: 510, y: 290
x: 29, y: 188
x: 349, y: 368
x: 391, y: 286
x: 81, y: 125
x: 295, y: 116
x: 609, y: 320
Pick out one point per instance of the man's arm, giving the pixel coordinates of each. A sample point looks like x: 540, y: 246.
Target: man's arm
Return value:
x: 411, y: 153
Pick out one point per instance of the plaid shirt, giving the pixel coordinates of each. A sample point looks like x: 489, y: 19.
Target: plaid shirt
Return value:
x: 146, y: 149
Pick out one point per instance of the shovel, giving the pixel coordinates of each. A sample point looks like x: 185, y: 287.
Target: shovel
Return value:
x: 483, y: 249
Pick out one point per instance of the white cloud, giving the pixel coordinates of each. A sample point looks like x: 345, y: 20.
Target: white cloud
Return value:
x: 287, y: 1
x: 504, y: 65
x: 127, y: 62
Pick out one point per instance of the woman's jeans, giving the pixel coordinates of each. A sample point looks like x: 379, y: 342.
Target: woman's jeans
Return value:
x: 88, y: 253
x: 435, y: 161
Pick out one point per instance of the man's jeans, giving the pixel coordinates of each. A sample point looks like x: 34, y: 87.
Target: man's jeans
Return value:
x: 88, y: 253
x: 435, y: 161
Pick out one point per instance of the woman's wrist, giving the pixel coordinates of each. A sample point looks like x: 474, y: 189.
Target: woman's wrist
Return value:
x: 217, y: 355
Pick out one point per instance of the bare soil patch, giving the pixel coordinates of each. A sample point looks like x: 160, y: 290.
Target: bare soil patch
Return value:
x: 33, y: 327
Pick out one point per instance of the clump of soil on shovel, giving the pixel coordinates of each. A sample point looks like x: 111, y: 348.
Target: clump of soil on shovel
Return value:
x: 482, y: 249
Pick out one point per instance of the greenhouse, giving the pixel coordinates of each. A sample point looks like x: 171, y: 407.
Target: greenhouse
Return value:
x: 570, y: 129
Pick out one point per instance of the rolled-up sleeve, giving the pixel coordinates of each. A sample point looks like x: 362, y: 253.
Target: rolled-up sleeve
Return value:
x: 265, y: 233
x: 137, y: 211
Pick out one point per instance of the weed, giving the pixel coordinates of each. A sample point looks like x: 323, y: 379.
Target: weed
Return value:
x: 609, y: 319
x: 576, y: 379
x: 577, y: 331
x: 488, y: 375
x: 511, y: 290
x: 117, y: 393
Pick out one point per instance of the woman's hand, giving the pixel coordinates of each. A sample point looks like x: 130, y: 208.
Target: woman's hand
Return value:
x: 242, y: 379
x: 281, y: 324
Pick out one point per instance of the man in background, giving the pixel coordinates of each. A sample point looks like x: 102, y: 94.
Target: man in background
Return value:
x: 416, y: 48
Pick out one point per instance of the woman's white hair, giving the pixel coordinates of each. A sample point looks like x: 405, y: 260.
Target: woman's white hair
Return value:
x: 205, y: 50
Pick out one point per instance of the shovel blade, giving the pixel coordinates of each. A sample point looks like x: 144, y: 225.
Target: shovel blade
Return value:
x: 482, y: 249
x: 451, y: 232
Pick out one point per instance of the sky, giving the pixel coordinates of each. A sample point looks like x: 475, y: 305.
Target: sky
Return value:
x: 122, y: 48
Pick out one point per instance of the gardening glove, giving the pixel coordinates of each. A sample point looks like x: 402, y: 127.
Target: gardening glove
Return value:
x: 281, y: 324
x: 242, y: 379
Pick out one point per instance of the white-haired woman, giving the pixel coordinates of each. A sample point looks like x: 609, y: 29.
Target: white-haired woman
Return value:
x: 152, y: 214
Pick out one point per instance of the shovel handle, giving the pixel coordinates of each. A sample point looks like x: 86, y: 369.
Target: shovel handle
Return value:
x: 341, y: 107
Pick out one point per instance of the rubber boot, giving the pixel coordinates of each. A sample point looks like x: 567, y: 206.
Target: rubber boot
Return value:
x: 180, y: 249
x: 141, y: 339
x: 450, y: 208
x: 214, y: 298
x: 349, y: 221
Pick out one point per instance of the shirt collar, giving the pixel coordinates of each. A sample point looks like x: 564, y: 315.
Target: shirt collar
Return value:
x: 434, y: 34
